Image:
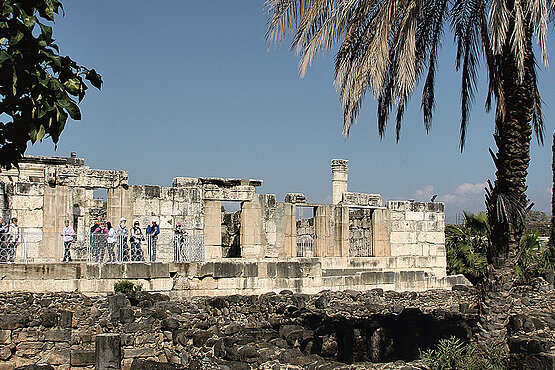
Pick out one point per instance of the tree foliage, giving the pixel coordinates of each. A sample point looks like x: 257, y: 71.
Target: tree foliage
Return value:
x: 466, y: 246
x: 388, y: 47
x: 454, y: 354
x: 39, y: 88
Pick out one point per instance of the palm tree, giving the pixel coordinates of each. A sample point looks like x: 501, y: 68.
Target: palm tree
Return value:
x: 466, y: 246
x: 389, y: 46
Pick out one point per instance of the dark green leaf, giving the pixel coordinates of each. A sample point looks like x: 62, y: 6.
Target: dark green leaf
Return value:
x: 94, y: 78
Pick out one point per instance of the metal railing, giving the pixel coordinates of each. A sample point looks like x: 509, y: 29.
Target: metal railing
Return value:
x: 360, y: 247
x: 11, y: 249
x: 98, y: 248
x: 305, y: 246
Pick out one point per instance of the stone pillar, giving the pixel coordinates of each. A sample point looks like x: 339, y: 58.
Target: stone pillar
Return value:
x: 119, y: 205
x: 341, y: 232
x: 107, y: 351
x: 322, y: 230
x: 251, y: 230
x: 290, y: 230
x: 56, y: 210
x: 339, y: 178
x: 380, y: 233
x: 213, y: 229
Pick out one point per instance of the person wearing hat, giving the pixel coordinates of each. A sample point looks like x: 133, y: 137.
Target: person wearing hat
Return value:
x: 136, y: 238
x: 122, y: 233
x: 152, y: 232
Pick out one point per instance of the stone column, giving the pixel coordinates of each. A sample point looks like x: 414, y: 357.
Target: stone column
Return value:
x: 119, y: 205
x: 322, y: 230
x: 251, y: 230
x: 56, y: 210
x: 290, y: 230
x: 213, y: 229
x: 339, y: 178
x: 107, y: 351
x: 341, y: 232
x: 380, y: 233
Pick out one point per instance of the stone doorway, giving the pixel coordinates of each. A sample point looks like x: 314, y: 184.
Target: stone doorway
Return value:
x: 231, y: 229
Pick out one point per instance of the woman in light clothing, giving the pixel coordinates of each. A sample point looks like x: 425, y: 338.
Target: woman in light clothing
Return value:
x: 111, y: 241
x: 68, y: 234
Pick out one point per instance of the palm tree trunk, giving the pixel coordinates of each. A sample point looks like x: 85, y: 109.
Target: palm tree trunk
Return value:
x: 513, y: 135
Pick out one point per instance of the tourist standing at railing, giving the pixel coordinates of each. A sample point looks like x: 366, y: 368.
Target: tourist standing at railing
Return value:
x: 13, y: 239
x: 122, y: 233
x: 136, y: 238
x: 3, y: 240
x: 178, y: 239
x: 99, y: 242
x: 152, y: 232
x: 68, y: 235
x: 110, y: 242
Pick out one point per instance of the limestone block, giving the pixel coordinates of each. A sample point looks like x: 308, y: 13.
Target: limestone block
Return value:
x: 26, y: 188
x: 185, y: 181
x: 403, y: 237
x: 397, y: 216
x: 28, y: 218
x: 213, y: 252
x: 166, y: 222
x: 414, y: 216
x: 435, y: 237
x: 27, y: 202
x: 230, y: 283
x: 406, y: 249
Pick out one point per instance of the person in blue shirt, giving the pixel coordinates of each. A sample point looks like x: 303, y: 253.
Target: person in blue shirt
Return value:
x: 152, y: 232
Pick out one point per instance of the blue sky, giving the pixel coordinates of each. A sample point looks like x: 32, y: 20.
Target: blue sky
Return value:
x: 190, y: 89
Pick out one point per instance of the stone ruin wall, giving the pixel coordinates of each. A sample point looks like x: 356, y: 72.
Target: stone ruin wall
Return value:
x: 49, y: 190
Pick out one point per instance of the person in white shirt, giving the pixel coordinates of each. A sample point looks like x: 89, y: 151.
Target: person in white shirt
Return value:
x: 111, y: 241
x: 68, y: 235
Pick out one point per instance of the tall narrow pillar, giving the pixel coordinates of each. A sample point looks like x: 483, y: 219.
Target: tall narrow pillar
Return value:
x: 340, y: 232
x: 290, y: 230
x: 251, y: 230
x: 322, y: 230
x: 339, y: 178
x: 212, y: 229
x: 380, y: 233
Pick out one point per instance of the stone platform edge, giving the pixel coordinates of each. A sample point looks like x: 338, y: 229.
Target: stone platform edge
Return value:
x: 225, y: 277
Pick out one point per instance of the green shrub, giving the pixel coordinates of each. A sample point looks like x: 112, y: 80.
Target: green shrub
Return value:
x: 126, y: 286
x: 453, y: 354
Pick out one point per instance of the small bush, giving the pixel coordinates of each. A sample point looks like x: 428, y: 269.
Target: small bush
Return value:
x: 453, y: 354
x: 126, y: 286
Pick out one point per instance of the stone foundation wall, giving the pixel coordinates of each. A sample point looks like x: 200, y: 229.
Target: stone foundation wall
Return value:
x: 244, y: 332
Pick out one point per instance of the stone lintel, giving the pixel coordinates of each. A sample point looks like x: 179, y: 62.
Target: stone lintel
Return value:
x: 362, y: 199
x: 85, y: 177
x: 218, y: 181
x: 295, y: 198
x: 53, y: 161
x: 185, y: 181
x: 233, y: 193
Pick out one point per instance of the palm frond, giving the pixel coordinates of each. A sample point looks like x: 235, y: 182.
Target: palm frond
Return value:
x: 285, y: 15
x: 465, y: 21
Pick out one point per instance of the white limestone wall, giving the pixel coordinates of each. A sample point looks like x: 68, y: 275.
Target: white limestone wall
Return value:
x: 168, y: 205
x: 418, y: 229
